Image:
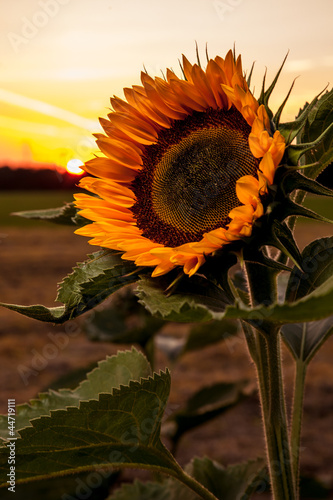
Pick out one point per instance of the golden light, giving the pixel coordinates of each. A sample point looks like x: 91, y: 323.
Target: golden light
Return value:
x: 73, y: 167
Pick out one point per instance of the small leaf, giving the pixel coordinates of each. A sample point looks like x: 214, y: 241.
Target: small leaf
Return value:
x: 121, y: 429
x: 65, y: 215
x: 305, y: 339
x: 88, y: 285
x: 110, y: 374
x: 317, y: 264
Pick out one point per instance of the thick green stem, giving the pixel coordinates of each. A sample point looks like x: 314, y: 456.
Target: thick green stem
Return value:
x: 262, y: 287
x: 257, y: 347
x: 297, y: 415
x: 280, y: 463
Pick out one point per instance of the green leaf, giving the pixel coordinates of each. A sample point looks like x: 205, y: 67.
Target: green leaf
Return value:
x: 195, y: 299
x: 62, y: 215
x: 237, y: 482
x: 121, y: 429
x: 88, y: 285
x: 317, y: 263
x: 305, y: 339
x: 191, y: 307
x: 319, y: 119
x: 204, y: 405
x: 110, y: 374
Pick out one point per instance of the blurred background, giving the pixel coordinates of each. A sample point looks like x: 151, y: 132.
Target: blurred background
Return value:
x: 60, y: 61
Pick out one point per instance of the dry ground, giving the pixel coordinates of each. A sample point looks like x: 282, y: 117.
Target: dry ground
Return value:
x: 34, y: 260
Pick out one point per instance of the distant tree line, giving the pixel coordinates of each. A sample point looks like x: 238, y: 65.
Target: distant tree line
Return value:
x: 25, y: 178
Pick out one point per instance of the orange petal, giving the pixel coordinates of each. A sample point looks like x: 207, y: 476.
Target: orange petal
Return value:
x: 247, y: 189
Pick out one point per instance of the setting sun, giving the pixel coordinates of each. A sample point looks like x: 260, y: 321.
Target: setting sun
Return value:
x: 73, y: 167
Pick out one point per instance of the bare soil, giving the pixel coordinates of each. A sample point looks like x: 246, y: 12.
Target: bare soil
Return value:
x: 34, y: 260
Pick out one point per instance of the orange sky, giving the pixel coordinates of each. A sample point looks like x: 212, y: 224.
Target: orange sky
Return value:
x: 61, y: 60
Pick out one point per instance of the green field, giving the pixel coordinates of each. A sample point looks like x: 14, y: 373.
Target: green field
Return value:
x: 16, y: 201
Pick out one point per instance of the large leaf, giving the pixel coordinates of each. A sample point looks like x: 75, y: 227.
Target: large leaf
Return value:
x: 110, y: 374
x: 304, y: 339
x: 237, y: 482
x: 204, y: 405
x: 121, y: 429
x: 89, y: 284
x: 189, y: 306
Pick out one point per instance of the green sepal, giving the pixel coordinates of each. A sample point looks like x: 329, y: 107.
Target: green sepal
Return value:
x: 283, y: 239
x: 296, y: 151
x: 320, y: 117
x: 249, y: 78
x: 216, y: 269
x: 278, y: 114
x: 295, y: 180
x: 290, y: 130
x: 265, y: 94
x: 260, y: 258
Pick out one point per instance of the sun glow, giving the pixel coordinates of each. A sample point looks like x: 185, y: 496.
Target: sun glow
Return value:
x: 74, y: 167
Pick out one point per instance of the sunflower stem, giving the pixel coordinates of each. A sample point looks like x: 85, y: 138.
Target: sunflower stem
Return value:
x: 296, y: 426
x: 267, y: 358
x: 280, y: 463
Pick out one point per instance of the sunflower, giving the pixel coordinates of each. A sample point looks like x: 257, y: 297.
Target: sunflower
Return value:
x: 187, y: 164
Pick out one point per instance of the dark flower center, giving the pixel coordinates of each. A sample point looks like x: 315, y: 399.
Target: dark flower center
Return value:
x: 187, y: 185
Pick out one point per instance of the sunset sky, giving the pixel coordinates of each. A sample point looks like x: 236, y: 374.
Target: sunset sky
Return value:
x: 61, y: 60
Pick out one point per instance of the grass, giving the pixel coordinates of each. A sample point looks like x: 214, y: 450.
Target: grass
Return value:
x: 18, y: 201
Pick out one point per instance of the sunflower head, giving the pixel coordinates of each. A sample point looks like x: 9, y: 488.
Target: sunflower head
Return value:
x: 188, y: 167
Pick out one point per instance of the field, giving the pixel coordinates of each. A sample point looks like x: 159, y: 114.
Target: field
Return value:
x: 35, y: 256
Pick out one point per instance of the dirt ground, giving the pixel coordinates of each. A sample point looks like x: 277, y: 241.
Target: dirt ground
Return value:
x: 34, y: 260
